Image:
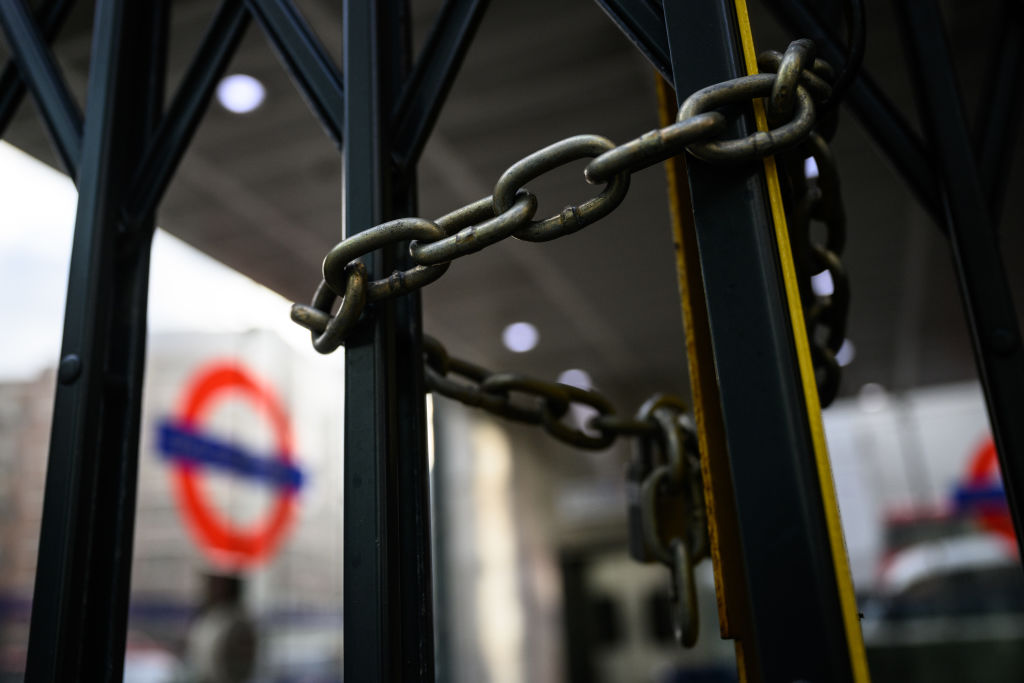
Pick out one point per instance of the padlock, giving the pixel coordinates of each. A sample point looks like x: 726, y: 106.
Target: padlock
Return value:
x: 638, y: 469
x: 670, y: 505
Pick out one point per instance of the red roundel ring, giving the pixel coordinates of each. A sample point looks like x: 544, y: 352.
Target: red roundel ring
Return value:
x: 984, y: 465
x: 225, y: 543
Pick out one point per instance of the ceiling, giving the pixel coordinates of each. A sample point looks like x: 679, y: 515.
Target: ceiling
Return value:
x: 260, y: 192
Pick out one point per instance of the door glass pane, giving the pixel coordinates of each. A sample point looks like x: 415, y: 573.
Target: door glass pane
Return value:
x: 37, y: 213
x: 237, y: 571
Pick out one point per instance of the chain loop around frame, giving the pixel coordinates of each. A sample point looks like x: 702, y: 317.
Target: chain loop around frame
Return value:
x: 787, y: 77
x: 329, y: 331
x: 574, y: 217
x: 434, y: 244
x: 816, y: 79
x: 756, y: 145
x: 390, y: 233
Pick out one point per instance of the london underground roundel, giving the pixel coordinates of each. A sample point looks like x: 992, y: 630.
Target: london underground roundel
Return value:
x: 981, y: 492
x: 194, y: 452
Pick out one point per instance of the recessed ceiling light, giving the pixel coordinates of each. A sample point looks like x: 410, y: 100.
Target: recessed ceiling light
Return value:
x: 810, y: 168
x: 847, y: 352
x: 822, y: 284
x: 240, y: 93
x: 520, y: 337
x: 581, y: 414
x: 576, y: 378
x: 872, y: 398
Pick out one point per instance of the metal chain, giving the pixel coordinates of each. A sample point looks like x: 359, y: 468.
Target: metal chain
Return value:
x: 668, y: 519
x: 667, y: 504
x: 811, y: 201
x: 433, y: 245
x: 528, y: 400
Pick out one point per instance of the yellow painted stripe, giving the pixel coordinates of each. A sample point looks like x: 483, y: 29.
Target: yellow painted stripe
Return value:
x: 847, y: 599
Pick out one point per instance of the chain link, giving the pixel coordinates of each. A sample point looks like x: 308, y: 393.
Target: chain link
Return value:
x: 760, y: 143
x: 473, y: 227
x: 329, y: 331
x: 668, y: 506
x: 572, y: 217
x: 655, y: 146
x: 541, y: 402
x: 809, y: 202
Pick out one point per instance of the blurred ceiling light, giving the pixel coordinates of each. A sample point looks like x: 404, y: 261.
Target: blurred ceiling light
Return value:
x: 847, y: 352
x: 576, y: 378
x: 810, y: 167
x: 872, y: 398
x: 822, y: 284
x: 580, y: 414
x: 240, y: 93
x: 520, y: 337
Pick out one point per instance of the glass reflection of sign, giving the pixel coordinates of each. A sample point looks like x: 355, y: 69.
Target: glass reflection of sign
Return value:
x: 194, y: 452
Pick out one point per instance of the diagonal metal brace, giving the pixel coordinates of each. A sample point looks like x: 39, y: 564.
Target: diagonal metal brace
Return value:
x: 50, y: 18
x: 428, y: 85
x: 42, y: 75
x: 310, y: 66
x: 178, y: 125
x: 643, y: 22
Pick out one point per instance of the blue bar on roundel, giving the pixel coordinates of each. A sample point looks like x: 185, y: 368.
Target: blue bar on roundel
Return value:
x: 178, y: 443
